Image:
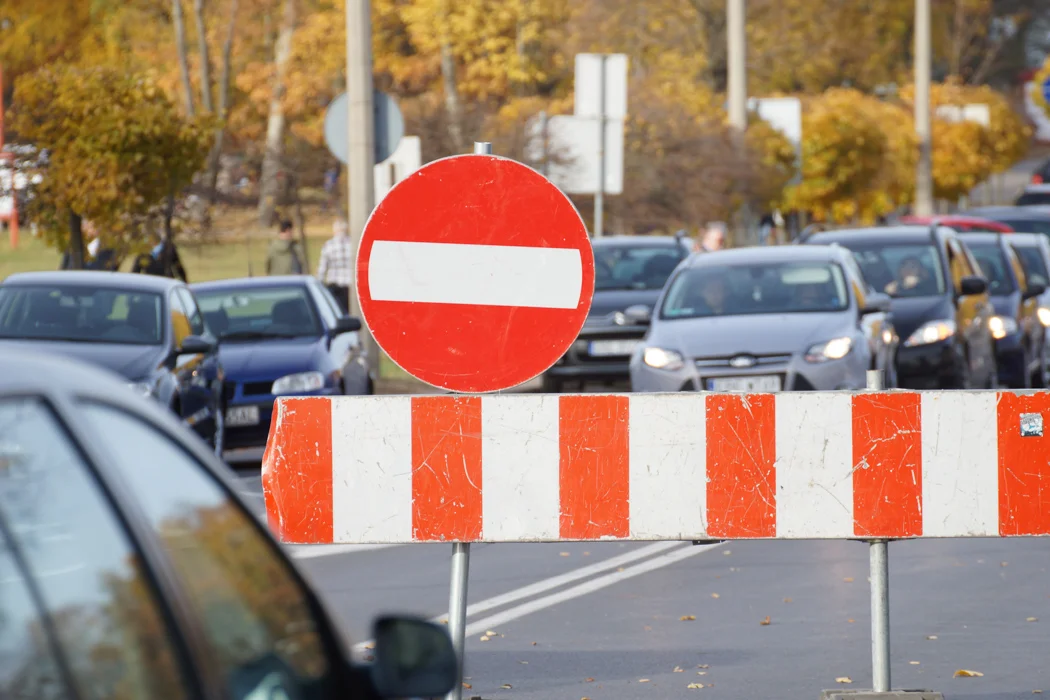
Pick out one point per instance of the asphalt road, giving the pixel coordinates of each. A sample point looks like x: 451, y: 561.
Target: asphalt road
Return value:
x: 603, y: 620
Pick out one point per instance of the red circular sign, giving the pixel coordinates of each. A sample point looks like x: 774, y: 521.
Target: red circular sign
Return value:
x: 475, y: 274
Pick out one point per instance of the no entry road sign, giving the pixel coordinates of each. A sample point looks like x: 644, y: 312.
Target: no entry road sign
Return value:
x: 475, y: 274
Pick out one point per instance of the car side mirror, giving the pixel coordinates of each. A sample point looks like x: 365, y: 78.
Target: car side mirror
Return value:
x: 345, y: 324
x: 414, y: 658
x: 639, y: 315
x: 973, y: 285
x: 876, y: 303
x: 1034, y: 290
x: 196, y: 345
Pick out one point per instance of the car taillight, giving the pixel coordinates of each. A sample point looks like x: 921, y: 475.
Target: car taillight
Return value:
x: 1037, y: 179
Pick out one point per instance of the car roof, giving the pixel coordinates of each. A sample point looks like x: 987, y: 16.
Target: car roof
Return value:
x: 635, y: 240
x: 982, y: 237
x: 1027, y: 240
x: 253, y: 282
x: 95, y: 278
x: 760, y: 255
x: 879, y: 234
x: 1039, y: 210
x: 949, y: 220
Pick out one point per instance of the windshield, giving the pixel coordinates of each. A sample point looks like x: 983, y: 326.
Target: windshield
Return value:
x: 1033, y: 263
x: 261, y: 312
x: 1029, y: 225
x: 902, y: 270
x: 639, y: 266
x: 80, y: 314
x: 993, y: 266
x: 770, y: 288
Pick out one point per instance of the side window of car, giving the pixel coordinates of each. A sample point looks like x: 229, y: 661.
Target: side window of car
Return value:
x: 325, y: 304
x: 180, y: 322
x: 1018, y: 268
x: 956, y: 264
x: 193, y: 312
x: 89, y: 577
x: 258, y: 619
x: 861, y: 288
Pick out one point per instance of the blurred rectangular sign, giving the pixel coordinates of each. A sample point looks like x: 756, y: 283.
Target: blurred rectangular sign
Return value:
x: 977, y: 113
x: 406, y: 159
x: 588, y: 96
x: 568, y: 156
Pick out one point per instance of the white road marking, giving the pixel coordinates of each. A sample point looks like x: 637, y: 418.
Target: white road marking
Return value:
x: 482, y: 275
x: 680, y: 552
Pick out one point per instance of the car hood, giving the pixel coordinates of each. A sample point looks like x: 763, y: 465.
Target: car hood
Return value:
x: 133, y: 362
x: 909, y: 314
x: 759, y: 334
x: 269, y: 359
x: 607, y: 301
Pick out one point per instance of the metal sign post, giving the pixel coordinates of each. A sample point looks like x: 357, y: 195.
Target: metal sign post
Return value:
x: 879, y: 569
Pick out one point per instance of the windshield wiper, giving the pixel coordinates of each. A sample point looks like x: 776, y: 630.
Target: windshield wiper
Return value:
x: 256, y: 335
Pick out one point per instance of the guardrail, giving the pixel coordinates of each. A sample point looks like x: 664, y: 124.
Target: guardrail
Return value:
x: 873, y: 466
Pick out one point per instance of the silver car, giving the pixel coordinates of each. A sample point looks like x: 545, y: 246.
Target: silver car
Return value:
x: 796, y: 318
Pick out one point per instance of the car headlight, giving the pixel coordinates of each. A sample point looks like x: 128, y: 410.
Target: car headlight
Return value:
x: 300, y: 383
x: 142, y: 388
x: 1044, y: 316
x: 931, y: 332
x: 658, y: 358
x: 834, y: 349
x: 1001, y: 326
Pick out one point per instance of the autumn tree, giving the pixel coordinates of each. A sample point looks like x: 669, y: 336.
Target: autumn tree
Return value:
x: 117, y: 150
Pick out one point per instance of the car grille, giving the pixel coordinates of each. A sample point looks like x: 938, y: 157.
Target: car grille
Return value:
x: 760, y: 360
x: 257, y: 388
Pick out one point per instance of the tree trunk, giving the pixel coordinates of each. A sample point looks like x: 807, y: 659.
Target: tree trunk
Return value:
x: 224, y: 96
x: 202, y: 48
x: 453, y: 106
x: 275, y: 124
x: 76, y: 242
x: 169, y: 236
x: 180, y: 45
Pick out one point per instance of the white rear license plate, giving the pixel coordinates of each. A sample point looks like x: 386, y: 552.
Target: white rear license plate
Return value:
x: 242, y: 415
x: 758, y: 385
x: 612, y: 348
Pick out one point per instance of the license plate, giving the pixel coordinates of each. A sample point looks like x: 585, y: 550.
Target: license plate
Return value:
x: 242, y: 415
x: 610, y: 348
x: 758, y: 385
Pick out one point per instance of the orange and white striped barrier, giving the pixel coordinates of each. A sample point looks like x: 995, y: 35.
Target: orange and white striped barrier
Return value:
x: 689, y: 466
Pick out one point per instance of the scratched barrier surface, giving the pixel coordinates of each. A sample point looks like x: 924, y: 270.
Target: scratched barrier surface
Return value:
x: 523, y: 468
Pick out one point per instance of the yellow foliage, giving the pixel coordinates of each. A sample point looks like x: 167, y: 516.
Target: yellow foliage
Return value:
x: 775, y: 161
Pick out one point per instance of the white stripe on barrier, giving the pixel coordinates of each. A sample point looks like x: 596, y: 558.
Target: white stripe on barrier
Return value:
x: 483, y: 275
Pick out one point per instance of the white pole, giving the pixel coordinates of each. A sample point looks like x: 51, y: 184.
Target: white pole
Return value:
x: 923, y: 60
x: 736, y: 55
x: 599, y: 193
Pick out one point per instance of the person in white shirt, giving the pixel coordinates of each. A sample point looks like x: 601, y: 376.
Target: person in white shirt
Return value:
x: 335, y: 268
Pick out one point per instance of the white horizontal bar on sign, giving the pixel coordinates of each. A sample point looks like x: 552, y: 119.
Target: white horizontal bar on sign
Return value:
x: 482, y: 275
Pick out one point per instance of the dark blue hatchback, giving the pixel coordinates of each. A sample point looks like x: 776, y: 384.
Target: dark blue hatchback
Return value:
x: 280, y: 336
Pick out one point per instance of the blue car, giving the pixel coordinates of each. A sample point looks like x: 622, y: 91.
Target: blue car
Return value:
x: 279, y: 336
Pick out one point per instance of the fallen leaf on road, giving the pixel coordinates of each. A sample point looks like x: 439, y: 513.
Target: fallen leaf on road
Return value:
x: 701, y: 673
x: 643, y: 680
x: 491, y: 633
x: 1004, y: 563
x: 586, y: 554
x: 715, y: 595
x: 484, y: 638
x: 534, y: 644
x: 727, y: 552
x: 647, y: 628
x: 765, y: 621
x: 506, y: 686
x: 695, y: 686
x: 931, y: 636
x: 787, y: 600
x: 963, y: 673
x: 733, y: 568
x: 467, y: 686
x: 1036, y: 692
x: 850, y: 620
x: 703, y: 666
x: 619, y: 568
x: 585, y: 698
x: 678, y: 669
x: 844, y: 680
x: 563, y: 554
x: 1032, y: 619
x: 588, y: 680
x: 525, y: 663
x: 914, y: 663
x: 687, y: 618
x: 848, y: 579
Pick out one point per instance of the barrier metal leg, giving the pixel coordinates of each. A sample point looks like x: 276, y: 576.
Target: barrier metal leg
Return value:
x: 457, y: 609
x: 880, y: 615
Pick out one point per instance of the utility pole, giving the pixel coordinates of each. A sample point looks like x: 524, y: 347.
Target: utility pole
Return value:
x: 736, y: 56
x: 599, y: 192
x: 923, y: 60
x: 360, y: 170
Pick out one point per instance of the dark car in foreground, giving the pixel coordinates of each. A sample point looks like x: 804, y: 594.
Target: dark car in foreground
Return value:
x: 130, y: 568
x: 280, y: 336
x: 629, y: 273
x: 147, y: 329
x: 1018, y: 332
x: 939, y: 301
x: 766, y: 319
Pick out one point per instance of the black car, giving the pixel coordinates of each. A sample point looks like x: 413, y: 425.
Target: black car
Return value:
x: 940, y: 303
x: 1024, y: 219
x: 629, y: 273
x: 147, y: 329
x: 130, y: 567
x: 280, y: 336
x: 1034, y: 251
x: 1018, y: 332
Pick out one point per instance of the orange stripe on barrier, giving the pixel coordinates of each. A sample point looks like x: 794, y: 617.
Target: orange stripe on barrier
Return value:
x: 741, y: 475
x: 594, y: 476
x: 446, y: 468
x: 887, y: 465
x: 297, y: 474
x: 1024, y: 466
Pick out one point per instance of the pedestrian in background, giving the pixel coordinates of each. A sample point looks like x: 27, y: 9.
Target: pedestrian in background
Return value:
x: 335, y: 268
x: 713, y: 238
x: 285, y: 256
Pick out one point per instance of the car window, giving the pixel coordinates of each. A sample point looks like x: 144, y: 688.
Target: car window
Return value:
x: 257, y: 619
x: 252, y: 312
x: 759, y: 288
x: 641, y: 266
x: 180, y: 319
x: 958, y: 265
x: 328, y: 310
x: 1033, y: 262
x: 1018, y: 268
x: 27, y: 657
x: 193, y: 312
x: 1029, y: 198
x: 861, y: 287
x: 901, y: 269
x: 993, y: 266
x: 80, y: 314
x: 92, y: 580
x: 1028, y: 225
